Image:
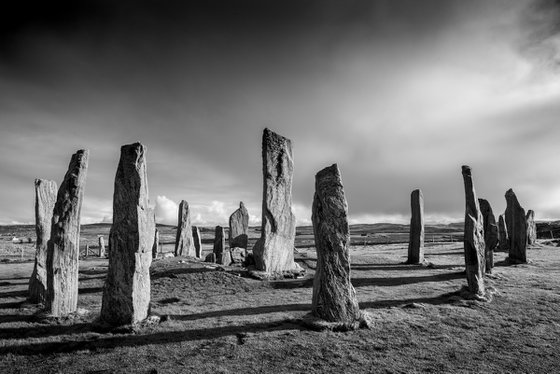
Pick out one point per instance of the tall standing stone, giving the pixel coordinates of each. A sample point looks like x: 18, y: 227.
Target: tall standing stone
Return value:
x: 184, y: 244
x: 274, y: 251
x: 416, y: 239
x: 45, y: 198
x: 238, y: 227
x: 155, y: 246
x: 334, y: 297
x: 531, y: 227
x: 126, y: 294
x: 490, y: 234
x: 219, y: 244
x: 502, y: 234
x: 474, y: 237
x: 197, y: 241
x: 101, y: 246
x: 516, y: 223
x: 63, y: 249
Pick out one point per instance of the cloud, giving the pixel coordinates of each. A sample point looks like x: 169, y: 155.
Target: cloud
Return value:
x: 166, y: 211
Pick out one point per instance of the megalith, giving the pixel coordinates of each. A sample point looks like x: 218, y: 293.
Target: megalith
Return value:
x: 238, y: 227
x: 516, y: 222
x: 531, y: 227
x: 101, y: 246
x: 416, y: 238
x: 45, y: 198
x: 184, y: 244
x: 334, y: 297
x: 219, y: 244
x: 474, y: 237
x: 502, y: 234
x: 63, y: 248
x: 197, y: 241
x: 126, y: 294
x: 155, y: 245
x: 490, y: 234
x: 274, y: 251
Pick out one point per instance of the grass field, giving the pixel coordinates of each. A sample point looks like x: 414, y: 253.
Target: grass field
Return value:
x: 220, y: 321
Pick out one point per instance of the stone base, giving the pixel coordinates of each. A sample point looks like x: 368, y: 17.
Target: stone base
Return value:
x: 317, y: 324
x: 263, y: 275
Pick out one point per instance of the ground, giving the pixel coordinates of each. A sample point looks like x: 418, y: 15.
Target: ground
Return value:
x: 216, y: 320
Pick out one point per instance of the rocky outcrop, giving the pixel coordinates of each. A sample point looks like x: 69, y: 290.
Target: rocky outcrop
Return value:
x: 274, y: 251
x: 126, y: 294
x: 416, y: 239
x: 516, y: 223
x: 45, y: 198
x: 503, y: 240
x: 334, y: 297
x: 238, y: 227
x: 490, y: 234
x: 64, y: 245
x: 474, y: 237
x: 197, y: 241
x: 531, y: 227
x: 184, y: 244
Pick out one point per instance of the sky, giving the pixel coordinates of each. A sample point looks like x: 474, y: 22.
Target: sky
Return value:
x: 398, y: 93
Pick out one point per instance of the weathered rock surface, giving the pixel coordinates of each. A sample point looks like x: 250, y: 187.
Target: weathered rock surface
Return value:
x: 155, y: 245
x: 490, y: 234
x: 531, y: 227
x: 274, y: 251
x: 219, y: 243
x: 184, y: 244
x: 238, y: 227
x: 64, y: 245
x: 238, y: 255
x: 225, y: 258
x: 334, y: 297
x: 516, y: 222
x: 197, y: 241
x: 416, y: 239
x: 503, y: 240
x: 45, y: 198
x: 101, y: 246
x: 126, y: 294
x: 474, y: 237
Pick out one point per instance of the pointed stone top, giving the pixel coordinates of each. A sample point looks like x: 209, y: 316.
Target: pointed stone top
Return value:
x: 510, y: 192
x: 417, y: 191
x: 271, y: 136
x: 333, y: 169
x: 241, y: 205
x: 466, y: 169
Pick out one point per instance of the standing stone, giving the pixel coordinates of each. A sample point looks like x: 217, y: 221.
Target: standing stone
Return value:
x: 334, y: 297
x: 197, y: 241
x: 474, y: 237
x: 503, y: 234
x: 531, y: 227
x: 274, y: 251
x: 101, y: 246
x: 219, y: 244
x: 490, y: 234
x: 238, y: 227
x: 45, y: 198
x: 155, y: 246
x: 64, y: 245
x: 516, y: 223
x: 416, y: 239
x: 126, y: 294
x: 184, y: 244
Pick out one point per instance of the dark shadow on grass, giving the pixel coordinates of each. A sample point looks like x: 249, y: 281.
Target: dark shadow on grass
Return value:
x: 40, y: 331
x: 172, y: 273
x: 400, y: 267
x: 14, y: 294
x: 244, y: 311
x: 380, y: 304
x: 83, y: 291
x: 165, y: 337
x: 15, y: 305
x: 17, y: 318
x: 458, y: 253
x: 398, y: 281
